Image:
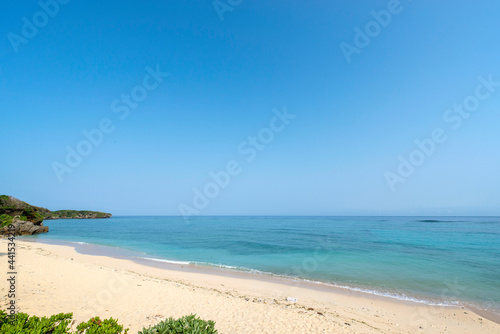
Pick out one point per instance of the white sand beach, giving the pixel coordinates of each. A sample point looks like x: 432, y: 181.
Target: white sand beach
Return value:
x: 54, y: 278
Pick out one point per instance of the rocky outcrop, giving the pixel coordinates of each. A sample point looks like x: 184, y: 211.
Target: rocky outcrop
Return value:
x: 22, y: 218
x: 21, y: 227
x: 13, y: 207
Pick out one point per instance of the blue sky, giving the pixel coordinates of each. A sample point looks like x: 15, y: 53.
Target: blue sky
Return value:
x: 354, y: 120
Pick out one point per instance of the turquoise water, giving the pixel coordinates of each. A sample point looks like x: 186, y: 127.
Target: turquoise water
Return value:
x: 435, y: 260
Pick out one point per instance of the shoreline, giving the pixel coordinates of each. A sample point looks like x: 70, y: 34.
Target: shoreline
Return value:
x: 233, y: 300
x: 235, y: 272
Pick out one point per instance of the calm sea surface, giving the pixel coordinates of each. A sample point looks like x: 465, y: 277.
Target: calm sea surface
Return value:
x: 429, y: 259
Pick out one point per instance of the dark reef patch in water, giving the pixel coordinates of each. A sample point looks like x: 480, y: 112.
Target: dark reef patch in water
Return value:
x: 432, y: 221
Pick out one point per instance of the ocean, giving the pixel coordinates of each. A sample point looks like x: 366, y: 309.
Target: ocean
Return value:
x: 433, y: 260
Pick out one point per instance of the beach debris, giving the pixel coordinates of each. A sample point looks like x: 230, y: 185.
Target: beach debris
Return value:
x: 155, y: 317
x: 320, y: 313
x: 346, y: 323
x: 291, y: 299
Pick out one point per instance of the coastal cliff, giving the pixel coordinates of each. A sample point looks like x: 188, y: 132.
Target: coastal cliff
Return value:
x: 28, y: 219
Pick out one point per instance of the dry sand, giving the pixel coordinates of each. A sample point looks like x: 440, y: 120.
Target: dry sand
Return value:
x: 54, y: 278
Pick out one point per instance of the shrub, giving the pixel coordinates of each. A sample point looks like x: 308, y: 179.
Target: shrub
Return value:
x: 98, y: 326
x: 38, y: 217
x: 4, y: 317
x: 186, y: 325
x: 23, y: 323
x: 61, y: 324
x: 32, y: 215
x: 5, y: 220
x: 56, y: 324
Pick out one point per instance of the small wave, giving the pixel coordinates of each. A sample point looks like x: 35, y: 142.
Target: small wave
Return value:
x: 213, y: 265
x: 223, y: 266
x: 398, y: 296
x: 81, y: 243
x: 233, y: 268
x: 166, y: 261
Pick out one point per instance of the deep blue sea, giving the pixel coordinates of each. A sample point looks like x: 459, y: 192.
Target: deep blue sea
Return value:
x: 435, y: 260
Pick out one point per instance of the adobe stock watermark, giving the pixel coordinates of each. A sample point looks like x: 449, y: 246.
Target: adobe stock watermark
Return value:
x: 120, y: 106
x: 222, y: 6
x: 373, y: 28
x: 324, y: 250
x: 115, y: 286
x: 453, y: 117
x: 249, y: 150
x: 30, y: 28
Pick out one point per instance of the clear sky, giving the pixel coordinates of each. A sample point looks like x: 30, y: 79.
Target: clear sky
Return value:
x: 363, y: 80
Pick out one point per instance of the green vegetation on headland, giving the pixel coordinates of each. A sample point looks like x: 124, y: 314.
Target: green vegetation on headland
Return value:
x: 24, y: 218
x: 20, y: 218
x: 11, y: 206
x: 61, y: 324
x: 6, y: 220
x: 73, y: 214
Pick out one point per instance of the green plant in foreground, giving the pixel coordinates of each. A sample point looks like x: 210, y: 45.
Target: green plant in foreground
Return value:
x: 98, y: 326
x: 56, y: 324
x: 23, y: 323
x: 186, y: 325
x: 61, y: 324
